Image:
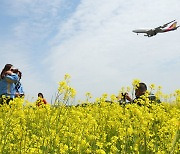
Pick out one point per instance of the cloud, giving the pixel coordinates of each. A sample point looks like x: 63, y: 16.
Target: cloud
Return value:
x: 92, y: 41
x: 96, y: 45
x: 34, y: 23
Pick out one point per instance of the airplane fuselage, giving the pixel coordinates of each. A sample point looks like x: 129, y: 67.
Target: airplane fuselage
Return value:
x: 140, y: 30
x: 148, y: 32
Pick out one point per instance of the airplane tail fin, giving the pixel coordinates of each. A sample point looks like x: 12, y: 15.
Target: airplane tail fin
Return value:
x: 173, y: 25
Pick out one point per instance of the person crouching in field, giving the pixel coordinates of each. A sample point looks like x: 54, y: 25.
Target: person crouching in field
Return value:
x: 140, y: 91
x: 8, y: 79
x: 40, y: 101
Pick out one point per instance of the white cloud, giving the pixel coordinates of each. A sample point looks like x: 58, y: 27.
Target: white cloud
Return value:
x: 96, y: 45
x: 26, y: 46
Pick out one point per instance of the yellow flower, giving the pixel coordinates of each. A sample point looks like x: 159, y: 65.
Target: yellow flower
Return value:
x: 97, y: 128
x: 100, y: 151
x: 113, y: 98
x: 128, y: 89
x: 135, y: 83
x: 152, y: 86
x: 67, y: 76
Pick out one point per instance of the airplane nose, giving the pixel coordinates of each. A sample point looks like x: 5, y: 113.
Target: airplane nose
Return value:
x: 135, y: 31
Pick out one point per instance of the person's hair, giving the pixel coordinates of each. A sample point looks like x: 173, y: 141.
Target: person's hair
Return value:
x: 7, y: 67
x: 142, y: 87
x: 40, y: 94
x: 20, y: 74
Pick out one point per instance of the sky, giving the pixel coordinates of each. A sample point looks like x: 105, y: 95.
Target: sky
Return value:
x: 92, y: 41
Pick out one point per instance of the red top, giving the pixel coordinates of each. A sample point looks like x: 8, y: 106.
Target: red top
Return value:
x: 41, y: 101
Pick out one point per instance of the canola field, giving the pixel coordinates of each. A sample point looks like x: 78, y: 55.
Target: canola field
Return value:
x: 94, y: 127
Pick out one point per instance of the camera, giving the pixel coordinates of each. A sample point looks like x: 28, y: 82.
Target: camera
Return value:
x: 15, y: 70
x: 124, y: 96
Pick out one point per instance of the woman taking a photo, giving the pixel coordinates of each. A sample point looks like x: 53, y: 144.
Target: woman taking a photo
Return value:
x: 8, y: 79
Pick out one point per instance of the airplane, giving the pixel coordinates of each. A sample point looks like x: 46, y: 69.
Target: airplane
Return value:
x: 160, y: 29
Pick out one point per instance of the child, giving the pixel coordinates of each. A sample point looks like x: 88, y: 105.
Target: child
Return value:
x: 40, y: 100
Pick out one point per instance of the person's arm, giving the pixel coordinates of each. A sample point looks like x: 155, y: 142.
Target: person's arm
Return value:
x: 21, y: 91
x: 45, y: 102
x: 13, y: 78
x: 8, y: 73
x: 128, y: 97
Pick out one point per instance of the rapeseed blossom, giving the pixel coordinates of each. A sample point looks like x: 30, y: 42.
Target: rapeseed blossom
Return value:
x: 100, y: 127
x: 66, y: 93
x: 135, y: 83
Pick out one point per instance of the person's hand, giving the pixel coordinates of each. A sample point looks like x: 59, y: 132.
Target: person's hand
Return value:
x: 128, y: 97
x: 9, y: 73
x: 17, y: 94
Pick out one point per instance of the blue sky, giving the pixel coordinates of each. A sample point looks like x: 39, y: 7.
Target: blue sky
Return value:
x: 90, y: 40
